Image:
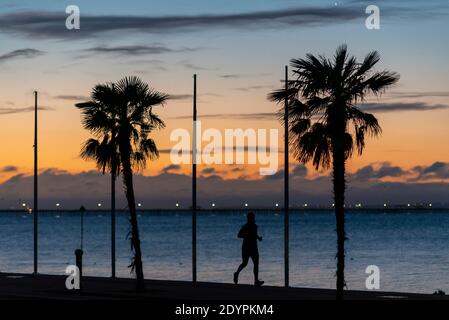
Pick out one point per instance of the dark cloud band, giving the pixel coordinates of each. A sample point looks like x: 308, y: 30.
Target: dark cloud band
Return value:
x: 6, y: 111
x: 46, y: 24
x: 402, y: 106
x: 27, y: 53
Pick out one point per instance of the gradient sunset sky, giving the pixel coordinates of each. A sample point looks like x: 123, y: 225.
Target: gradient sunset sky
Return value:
x: 238, y: 49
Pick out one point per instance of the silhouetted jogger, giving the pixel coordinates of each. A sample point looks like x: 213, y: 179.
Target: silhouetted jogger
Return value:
x: 248, y: 233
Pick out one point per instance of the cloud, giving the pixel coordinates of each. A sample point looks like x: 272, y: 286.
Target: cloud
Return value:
x: 242, y: 75
x: 272, y: 116
x: 135, y: 50
x: 8, y: 169
x: 146, y: 71
x: 401, y: 106
x: 181, y: 97
x: 72, y: 97
x: 45, y: 24
x: 245, y: 148
x: 240, y: 116
x: 230, y: 76
x: 277, y: 176
x: 251, y: 88
x: 164, y: 190
x: 192, y: 66
x: 188, y: 96
x: 171, y: 167
x: 437, y: 167
x: 27, y: 53
x: 437, y: 170
x: 300, y: 170
x: 419, y: 94
x: 6, y: 111
x: 209, y: 170
x: 166, y: 151
x: 385, y: 170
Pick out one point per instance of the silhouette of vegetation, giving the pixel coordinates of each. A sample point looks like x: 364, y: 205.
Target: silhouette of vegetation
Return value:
x: 120, y: 116
x: 326, y: 123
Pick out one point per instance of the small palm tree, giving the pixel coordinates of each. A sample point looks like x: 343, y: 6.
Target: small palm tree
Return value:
x: 121, y: 117
x: 326, y: 124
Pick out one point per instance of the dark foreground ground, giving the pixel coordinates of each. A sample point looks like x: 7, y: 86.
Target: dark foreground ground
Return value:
x: 25, y: 286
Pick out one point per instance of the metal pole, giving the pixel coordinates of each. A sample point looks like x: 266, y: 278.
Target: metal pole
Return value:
x: 286, y: 186
x: 79, y: 252
x: 81, y: 229
x: 194, y: 150
x: 113, y: 224
x: 35, y: 205
x: 79, y: 264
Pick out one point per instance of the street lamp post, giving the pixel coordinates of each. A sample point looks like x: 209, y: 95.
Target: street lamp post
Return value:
x: 35, y: 204
x: 194, y: 151
x: 286, y: 186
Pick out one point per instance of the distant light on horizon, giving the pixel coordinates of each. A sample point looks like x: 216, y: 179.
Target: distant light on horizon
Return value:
x: 58, y: 204
x: 385, y: 204
x: 277, y: 204
x: 139, y: 204
x: 430, y: 204
x: 24, y: 204
x: 246, y: 204
x: 305, y: 204
x: 99, y: 204
x: 213, y: 204
x: 177, y: 205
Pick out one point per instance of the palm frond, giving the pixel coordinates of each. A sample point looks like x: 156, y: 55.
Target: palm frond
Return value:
x: 381, y: 81
x: 371, y: 59
x: 366, y: 120
x: 322, y: 104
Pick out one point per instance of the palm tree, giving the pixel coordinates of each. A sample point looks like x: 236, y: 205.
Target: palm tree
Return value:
x: 104, y: 151
x: 121, y: 117
x: 326, y: 123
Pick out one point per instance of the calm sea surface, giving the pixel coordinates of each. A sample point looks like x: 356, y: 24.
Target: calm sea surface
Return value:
x: 411, y: 249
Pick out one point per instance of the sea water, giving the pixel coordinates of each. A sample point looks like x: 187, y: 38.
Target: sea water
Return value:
x: 411, y: 249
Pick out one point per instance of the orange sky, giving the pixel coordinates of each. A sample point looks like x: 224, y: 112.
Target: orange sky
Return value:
x: 236, y: 70
x: 409, y: 138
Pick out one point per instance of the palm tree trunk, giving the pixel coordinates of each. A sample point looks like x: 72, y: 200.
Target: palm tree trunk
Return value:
x: 339, y: 199
x: 135, y: 239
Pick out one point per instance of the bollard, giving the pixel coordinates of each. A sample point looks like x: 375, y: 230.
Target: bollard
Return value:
x: 79, y: 264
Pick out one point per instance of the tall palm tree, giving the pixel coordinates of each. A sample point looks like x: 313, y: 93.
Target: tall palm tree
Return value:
x: 326, y: 123
x: 121, y: 117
